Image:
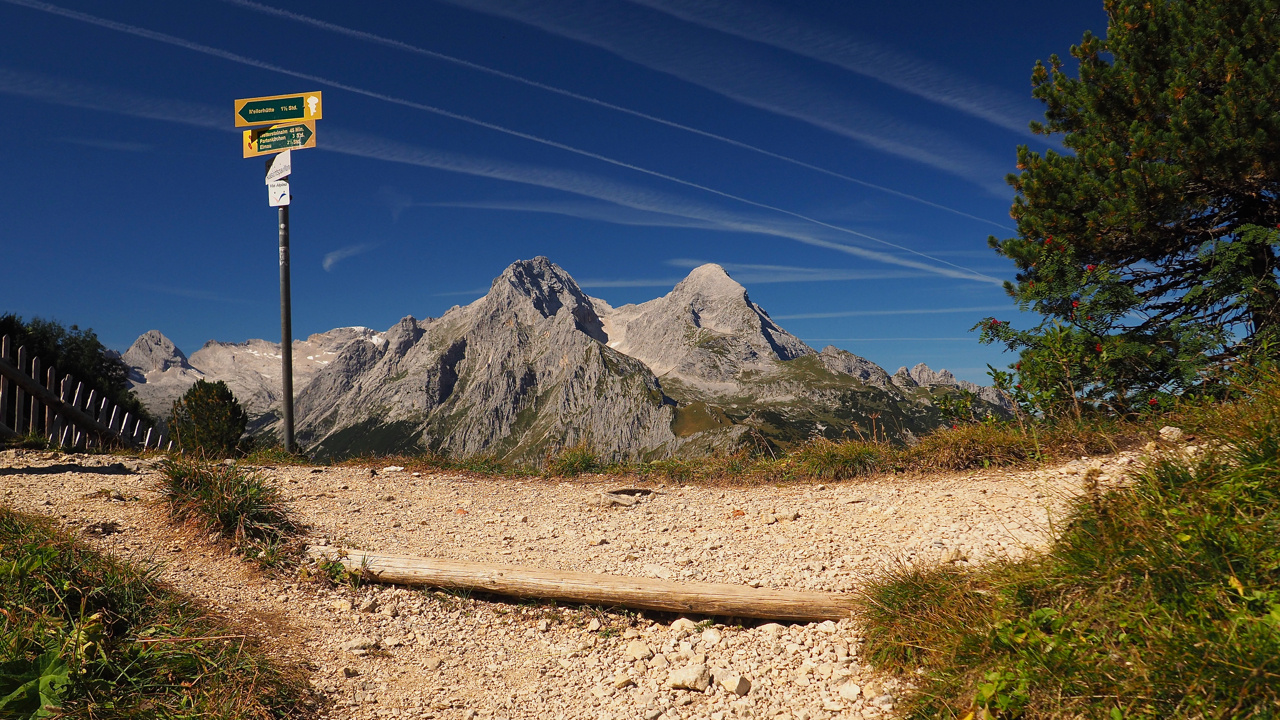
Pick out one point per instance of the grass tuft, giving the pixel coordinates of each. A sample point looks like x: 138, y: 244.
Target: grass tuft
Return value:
x: 240, y: 506
x: 572, y: 461
x: 826, y: 460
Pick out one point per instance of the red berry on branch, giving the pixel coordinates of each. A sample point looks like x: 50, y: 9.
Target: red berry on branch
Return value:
x: 1098, y: 347
x: 1153, y: 401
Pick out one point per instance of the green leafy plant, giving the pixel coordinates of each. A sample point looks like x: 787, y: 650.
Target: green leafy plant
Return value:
x: 33, y: 688
x: 208, y: 421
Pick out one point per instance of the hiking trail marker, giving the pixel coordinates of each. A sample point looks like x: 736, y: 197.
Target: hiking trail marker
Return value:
x: 277, y: 138
x: 278, y: 108
x: 292, y: 127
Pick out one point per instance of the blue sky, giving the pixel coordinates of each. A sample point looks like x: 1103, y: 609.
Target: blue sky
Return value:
x: 844, y: 161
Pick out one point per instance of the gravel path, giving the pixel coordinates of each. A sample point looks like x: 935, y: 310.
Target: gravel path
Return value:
x: 400, y: 653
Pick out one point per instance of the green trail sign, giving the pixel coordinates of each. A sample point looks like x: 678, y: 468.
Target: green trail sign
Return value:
x: 278, y: 138
x: 277, y: 108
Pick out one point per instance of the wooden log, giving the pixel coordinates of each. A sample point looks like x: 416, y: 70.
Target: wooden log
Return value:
x: 698, y: 598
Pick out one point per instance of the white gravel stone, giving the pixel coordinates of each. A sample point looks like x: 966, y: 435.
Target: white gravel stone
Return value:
x: 638, y: 650
x: 690, y: 677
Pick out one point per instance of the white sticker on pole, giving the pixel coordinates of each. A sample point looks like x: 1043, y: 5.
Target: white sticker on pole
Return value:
x: 278, y: 193
x: 280, y: 166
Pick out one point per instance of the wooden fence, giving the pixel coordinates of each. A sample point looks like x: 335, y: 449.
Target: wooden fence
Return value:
x: 59, y: 409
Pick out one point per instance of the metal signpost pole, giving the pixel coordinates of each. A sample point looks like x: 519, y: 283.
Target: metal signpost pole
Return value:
x: 286, y: 331
x: 297, y: 131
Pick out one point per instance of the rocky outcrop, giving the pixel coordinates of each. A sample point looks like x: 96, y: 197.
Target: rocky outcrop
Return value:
x: 152, y: 352
x: 846, y: 363
x: 922, y: 376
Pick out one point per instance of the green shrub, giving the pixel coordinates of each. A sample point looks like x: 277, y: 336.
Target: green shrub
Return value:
x: 208, y: 421
x: 239, y: 506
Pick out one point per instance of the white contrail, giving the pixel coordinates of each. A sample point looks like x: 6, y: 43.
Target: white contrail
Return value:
x: 638, y: 199
x: 333, y: 258
x: 869, y: 313
x: 240, y: 59
x: 705, y: 61
x: 611, y: 213
x: 399, y: 45
x: 759, y: 23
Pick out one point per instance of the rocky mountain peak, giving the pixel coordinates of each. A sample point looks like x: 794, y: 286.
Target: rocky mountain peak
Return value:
x: 548, y: 289
x: 710, y: 279
x: 923, y: 375
x: 152, y: 351
x: 705, y: 331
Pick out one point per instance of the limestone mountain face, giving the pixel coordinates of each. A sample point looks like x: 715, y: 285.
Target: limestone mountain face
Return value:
x: 158, y: 372
x: 705, y: 333
x: 537, y: 365
x: 152, y: 352
x: 521, y: 370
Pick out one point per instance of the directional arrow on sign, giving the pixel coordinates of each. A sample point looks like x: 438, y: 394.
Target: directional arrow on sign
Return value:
x: 277, y: 138
x: 276, y: 108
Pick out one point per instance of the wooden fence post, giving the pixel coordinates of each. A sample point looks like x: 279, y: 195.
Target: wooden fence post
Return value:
x: 88, y: 409
x: 19, y: 408
x: 34, y: 414
x: 4, y: 383
x: 50, y: 384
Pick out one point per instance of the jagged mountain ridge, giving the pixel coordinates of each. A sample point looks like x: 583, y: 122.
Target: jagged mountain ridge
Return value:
x: 160, y: 373
x: 537, y: 364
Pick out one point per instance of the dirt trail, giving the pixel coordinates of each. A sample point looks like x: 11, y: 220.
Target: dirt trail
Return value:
x: 392, y: 653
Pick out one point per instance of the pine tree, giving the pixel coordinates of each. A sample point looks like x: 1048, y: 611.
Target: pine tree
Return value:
x: 1151, y: 248
x: 209, y: 421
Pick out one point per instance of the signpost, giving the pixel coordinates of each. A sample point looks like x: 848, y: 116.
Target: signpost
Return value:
x: 275, y: 108
x: 292, y: 128
x: 285, y: 136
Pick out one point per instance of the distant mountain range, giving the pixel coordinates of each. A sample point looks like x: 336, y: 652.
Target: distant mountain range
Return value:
x: 536, y: 364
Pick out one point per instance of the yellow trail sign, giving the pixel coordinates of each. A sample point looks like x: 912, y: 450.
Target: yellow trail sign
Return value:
x: 277, y: 108
x: 278, y: 138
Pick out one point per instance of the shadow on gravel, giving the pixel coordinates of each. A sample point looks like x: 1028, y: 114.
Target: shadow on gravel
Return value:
x: 112, y: 469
